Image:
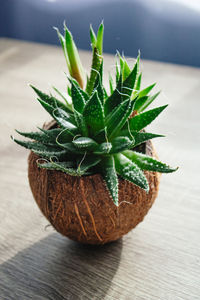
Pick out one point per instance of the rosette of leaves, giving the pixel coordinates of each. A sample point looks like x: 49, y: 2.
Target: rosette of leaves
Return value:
x: 98, y: 131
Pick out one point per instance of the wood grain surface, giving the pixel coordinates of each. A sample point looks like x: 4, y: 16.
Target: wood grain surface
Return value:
x: 160, y: 259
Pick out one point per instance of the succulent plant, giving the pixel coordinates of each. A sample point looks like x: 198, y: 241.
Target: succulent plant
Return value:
x: 98, y: 131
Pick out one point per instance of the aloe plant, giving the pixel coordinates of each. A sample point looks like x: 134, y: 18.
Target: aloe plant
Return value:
x: 99, y: 130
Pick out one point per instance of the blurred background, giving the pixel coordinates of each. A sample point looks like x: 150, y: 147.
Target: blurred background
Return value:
x: 164, y: 30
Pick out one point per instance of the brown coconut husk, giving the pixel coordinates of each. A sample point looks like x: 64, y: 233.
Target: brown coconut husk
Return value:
x: 82, y: 209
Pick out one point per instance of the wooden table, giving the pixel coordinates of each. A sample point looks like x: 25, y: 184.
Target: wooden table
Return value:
x: 160, y: 259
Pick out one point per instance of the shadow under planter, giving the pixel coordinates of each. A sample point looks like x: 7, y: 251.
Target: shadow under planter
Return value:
x: 58, y: 268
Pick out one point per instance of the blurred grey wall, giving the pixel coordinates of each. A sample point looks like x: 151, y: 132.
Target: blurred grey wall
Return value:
x: 163, y: 30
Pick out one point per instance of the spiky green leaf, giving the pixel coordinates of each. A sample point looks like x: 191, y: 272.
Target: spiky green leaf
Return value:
x: 107, y: 169
x: 66, y: 135
x: 105, y: 93
x: 37, y: 146
x: 69, y: 107
x: 141, y: 137
x: 76, y: 68
x: 117, y: 71
x: 121, y: 143
x: 69, y: 90
x: 138, y: 83
x: 78, y: 99
x: 61, y: 166
x: 126, y: 69
x: 99, y: 43
x: 85, y: 143
x: 140, y: 121
x: 111, y: 84
x: 50, y: 109
x: 57, y: 155
x: 62, y: 42
x: 93, y: 37
x: 123, y: 90
x: 52, y: 101
x: 119, y: 117
x: 80, y: 122
x: 70, y: 148
x: 143, y: 102
x: 64, y: 119
x: 47, y: 138
x: 56, y: 112
x: 94, y: 114
x: 96, y: 63
x: 103, y: 148
x: 115, y: 99
x: 101, y: 135
x: 130, y: 171
x: 147, y: 90
x: 130, y: 82
x: 146, y: 162
x: 99, y: 85
x: 87, y: 161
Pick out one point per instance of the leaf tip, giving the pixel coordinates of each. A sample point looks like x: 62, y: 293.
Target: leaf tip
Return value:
x: 56, y: 28
x: 147, y: 188
x: 64, y: 24
x: 116, y: 203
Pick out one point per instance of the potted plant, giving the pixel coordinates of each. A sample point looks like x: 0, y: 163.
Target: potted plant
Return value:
x: 93, y: 170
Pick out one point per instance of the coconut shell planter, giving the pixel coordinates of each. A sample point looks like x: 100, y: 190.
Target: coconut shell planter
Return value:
x: 93, y: 170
